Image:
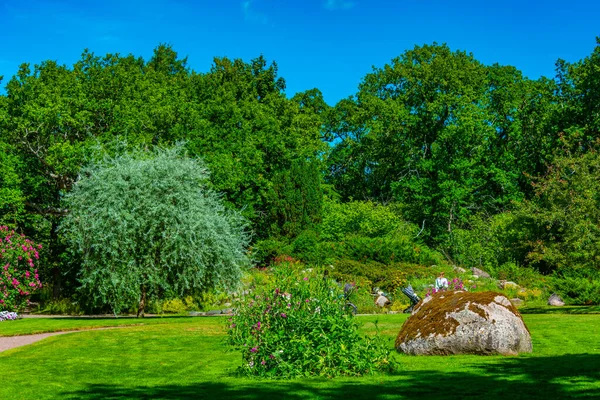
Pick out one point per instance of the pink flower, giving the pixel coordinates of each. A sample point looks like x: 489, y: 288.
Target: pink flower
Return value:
x: 263, y: 362
x: 305, y: 278
x: 253, y: 350
x: 283, y: 315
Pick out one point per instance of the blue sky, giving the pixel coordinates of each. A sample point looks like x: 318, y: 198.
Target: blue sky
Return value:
x: 328, y: 44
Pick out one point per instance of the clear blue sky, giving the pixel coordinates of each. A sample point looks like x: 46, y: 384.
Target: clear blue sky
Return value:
x: 328, y: 44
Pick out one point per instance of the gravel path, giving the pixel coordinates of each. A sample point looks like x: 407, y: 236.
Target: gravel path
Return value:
x: 10, y: 342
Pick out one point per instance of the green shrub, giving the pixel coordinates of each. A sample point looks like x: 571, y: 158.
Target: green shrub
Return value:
x: 146, y: 223
x: 307, y: 247
x: 265, y: 251
x: 362, y: 217
x: 577, y: 289
x: 387, y: 277
x: 60, y: 307
x: 174, y: 306
x: 524, y: 276
x: 388, y: 249
x: 298, y: 328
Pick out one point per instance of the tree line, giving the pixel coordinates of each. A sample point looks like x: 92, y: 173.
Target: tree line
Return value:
x: 470, y: 161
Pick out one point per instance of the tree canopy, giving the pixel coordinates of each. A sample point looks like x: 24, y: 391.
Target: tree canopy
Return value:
x: 145, y: 224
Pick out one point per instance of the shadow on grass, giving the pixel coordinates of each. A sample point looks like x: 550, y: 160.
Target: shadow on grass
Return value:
x: 561, y: 310
x: 569, y: 376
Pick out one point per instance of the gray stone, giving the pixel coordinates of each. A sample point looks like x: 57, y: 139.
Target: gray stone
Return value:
x: 555, y: 301
x: 459, y: 269
x: 213, y: 312
x: 464, y: 323
x: 507, y: 285
x: 382, y: 301
x: 196, y: 314
x: 479, y: 273
x: 516, y: 301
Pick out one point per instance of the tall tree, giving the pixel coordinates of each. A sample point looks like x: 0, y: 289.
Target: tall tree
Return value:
x: 145, y: 223
x: 420, y: 131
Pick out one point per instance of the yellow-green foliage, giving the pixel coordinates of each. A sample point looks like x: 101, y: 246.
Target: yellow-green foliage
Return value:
x: 174, y: 306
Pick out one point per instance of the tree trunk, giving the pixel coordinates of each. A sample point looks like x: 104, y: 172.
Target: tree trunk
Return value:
x: 54, y: 260
x: 142, y: 304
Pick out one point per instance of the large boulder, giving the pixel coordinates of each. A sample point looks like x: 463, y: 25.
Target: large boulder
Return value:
x: 464, y: 323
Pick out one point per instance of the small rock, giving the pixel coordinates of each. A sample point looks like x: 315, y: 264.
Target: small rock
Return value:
x: 516, y: 302
x: 227, y: 305
x: 459, y: 269
x: 555, y: 301
x: 479, y: 273
x: 196, y: 313
x: 507, y: 285
x: 213, y: 312
x: 227, y: 311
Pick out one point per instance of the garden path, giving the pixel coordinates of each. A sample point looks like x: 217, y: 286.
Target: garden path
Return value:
x: 11, y: 342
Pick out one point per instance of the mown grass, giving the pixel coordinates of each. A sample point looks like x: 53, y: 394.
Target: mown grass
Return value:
x: 29, y: 326
x: 187, y: 358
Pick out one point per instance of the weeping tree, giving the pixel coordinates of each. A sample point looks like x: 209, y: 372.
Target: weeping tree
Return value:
x: 145, y: 223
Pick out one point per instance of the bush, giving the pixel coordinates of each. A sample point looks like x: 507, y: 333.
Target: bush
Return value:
x: 577, y: 289
x: 365, y: 217
x: 388, y: 249
x: 298, y: 327
x: 387, y: 277
x: 174, y: 306
x: 18, y: 275
x: 146, y: 223
x: 265, y: 251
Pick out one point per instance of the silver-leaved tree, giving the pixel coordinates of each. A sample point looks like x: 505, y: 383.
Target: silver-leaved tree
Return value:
x: 146, y: 223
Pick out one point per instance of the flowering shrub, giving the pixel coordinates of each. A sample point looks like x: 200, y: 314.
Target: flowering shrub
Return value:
x: 454, y: 284
x: 18, y: 276
x: 8, y: 316
x: 299, y: 326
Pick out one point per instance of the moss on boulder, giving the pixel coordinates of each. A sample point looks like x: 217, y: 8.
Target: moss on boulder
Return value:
x: 464, y: 323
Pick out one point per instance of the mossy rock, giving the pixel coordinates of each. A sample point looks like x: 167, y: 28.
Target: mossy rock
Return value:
x: 464, y: 323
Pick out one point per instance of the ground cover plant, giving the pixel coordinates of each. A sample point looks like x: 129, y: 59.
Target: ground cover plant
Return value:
x: 188, y: 358
x: 300, y: 325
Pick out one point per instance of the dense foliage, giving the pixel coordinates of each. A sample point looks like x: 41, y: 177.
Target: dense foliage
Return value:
x: 145, y: 224
x: 299, y: 325
x: 19, y: 277
x: 437, y: 157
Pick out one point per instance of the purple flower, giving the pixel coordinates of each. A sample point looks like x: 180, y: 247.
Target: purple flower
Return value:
x: 305, y: 278
x: 258, y: 325
x: 254, y: 350
x: 263, y: 362
x: 283, y: 315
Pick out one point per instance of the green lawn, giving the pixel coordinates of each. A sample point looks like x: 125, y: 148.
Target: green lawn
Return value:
x: 172, y: 358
